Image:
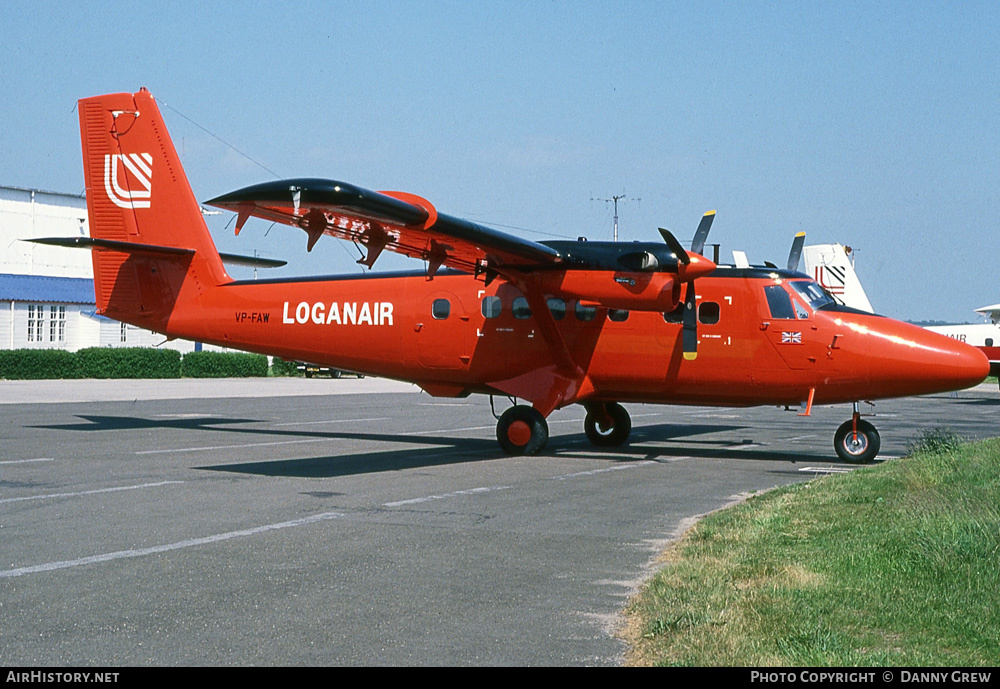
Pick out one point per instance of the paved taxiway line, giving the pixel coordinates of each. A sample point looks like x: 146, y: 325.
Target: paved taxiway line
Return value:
x: 232, y: 447
x: 605, y: 470
x: 27, y: 461
x: 139, y: 552
x: 215, y: 538
x: 313, y: 423
x: 453, y: 494
x: 132, y: 390
x: 490, y: 489
x: 51, y: 496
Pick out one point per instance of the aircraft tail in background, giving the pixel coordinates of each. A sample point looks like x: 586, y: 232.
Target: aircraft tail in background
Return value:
x: 831, y: 266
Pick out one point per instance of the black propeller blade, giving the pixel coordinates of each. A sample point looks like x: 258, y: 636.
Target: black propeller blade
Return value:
x: 689, y: 333
x: 698, y: 243
x: 675, y: 246
x: 796, y: 253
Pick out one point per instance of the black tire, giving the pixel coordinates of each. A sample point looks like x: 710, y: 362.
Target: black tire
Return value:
x: 336, y: 373
x: 522, y: 430
x: 616, y: 435
x: 861, y: 450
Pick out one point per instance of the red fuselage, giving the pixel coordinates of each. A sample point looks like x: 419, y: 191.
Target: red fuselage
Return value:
x: 435, y: 333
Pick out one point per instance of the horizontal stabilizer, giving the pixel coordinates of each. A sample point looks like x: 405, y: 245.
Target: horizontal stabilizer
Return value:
x: 112, y: 245
x: 252, y: 261
x: 134, y: 248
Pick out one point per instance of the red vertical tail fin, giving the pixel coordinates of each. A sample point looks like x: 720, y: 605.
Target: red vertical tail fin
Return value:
x: 139, y: 199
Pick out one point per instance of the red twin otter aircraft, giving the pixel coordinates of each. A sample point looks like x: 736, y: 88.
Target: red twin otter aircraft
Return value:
x: 553, y: 323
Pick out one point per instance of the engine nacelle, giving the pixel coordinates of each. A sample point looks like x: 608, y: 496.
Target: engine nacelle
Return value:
x: 632, y: 291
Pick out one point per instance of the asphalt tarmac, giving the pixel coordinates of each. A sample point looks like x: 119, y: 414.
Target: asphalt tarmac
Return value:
x: 360, y: 522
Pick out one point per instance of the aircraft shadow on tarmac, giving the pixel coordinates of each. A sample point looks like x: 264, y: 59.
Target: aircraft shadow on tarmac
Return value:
x: 438, y: 450
x: 465, y: 450
x: 456, y: 450
x: 981, y: 401
x: 128, y: 423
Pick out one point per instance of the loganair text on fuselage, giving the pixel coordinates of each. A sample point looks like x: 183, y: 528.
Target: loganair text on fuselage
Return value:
x: 342, y: 313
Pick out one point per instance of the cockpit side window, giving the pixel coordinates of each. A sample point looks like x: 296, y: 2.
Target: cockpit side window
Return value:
x: 779, y: 302
x: 813, y: 294
x: 800, y: 311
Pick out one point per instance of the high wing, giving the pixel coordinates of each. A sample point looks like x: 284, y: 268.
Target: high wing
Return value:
x: 400, y: 222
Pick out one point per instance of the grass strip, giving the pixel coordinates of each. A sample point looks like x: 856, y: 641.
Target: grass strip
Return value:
x: 896, y: 564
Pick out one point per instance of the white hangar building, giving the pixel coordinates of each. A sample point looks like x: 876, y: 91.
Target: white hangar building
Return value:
x: 47, y: 292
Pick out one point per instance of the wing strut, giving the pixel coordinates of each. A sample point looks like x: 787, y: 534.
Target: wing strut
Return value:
x: 555, y: 386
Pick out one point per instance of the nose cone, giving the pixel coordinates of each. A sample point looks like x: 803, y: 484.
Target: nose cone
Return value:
x: 909, y: 360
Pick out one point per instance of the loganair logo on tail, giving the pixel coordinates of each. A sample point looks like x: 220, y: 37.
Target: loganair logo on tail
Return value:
x: 128, y: 179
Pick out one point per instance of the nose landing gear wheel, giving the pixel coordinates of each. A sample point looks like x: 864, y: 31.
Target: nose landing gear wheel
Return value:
x: 859, y: 448
x: 604, y: 434
x: 522, y: 430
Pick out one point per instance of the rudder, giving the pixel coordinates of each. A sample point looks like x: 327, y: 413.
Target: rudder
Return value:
x: 830, y: 266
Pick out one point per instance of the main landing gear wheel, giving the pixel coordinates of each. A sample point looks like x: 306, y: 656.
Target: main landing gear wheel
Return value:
x: 608, y: 429
x: 522, y: 430
x: 857, y: 448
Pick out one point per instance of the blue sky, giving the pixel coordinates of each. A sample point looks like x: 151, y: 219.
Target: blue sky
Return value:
x: 870, y: 124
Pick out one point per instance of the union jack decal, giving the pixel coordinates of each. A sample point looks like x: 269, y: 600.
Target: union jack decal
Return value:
x: 791, y: 338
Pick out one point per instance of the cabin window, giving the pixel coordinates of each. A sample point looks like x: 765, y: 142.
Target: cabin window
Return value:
x: 441, y: 309
x: 584, y: 313
x: 521, y: 309
x: 779, y: 302
x: 558, y: 308
x: 708, y: 312
x: 617, y: 315
x: 491, y: 307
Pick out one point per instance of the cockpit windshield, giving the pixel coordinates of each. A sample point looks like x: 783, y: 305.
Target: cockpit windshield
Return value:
x: 815, y: 295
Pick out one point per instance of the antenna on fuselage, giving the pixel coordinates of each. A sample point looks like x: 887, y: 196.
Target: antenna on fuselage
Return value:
x: 615, y: 200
